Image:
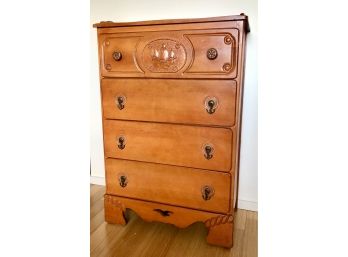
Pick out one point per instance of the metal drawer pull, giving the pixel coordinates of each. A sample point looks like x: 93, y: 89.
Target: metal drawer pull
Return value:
x: 121, y: 142
x: 123, y: 181
x: 207, y: 192
x: 211, y: 104
x: 212, y: 53
x: 117, y: 56
x: 208, y: 152
x: 121, y: 100
x: 163, y: 213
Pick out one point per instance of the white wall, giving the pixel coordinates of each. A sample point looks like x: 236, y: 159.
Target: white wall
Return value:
x: 136, y: 10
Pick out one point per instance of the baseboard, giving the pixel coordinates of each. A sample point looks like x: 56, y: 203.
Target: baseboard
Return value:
x: 247, y: 205
x: 242, y: 204
x: 97, y: 180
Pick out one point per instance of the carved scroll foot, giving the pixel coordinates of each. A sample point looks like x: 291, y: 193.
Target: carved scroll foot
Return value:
x: 220, y: 230
x: 114, y: 211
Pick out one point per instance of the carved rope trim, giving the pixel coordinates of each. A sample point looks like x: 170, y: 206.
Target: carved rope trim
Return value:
x: 218, y: 220
x: 113, y: 201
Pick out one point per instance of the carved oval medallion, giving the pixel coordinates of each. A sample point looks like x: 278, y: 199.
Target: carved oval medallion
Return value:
x: 164, y: 55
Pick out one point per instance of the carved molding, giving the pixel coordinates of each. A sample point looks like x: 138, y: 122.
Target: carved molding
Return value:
x: 218, y: 220
x: 228, y: 40
x: 225, y: 57
x: 115, y: 54
x: 164, y: 55
x: 113, y: 201
x: 227, y: 67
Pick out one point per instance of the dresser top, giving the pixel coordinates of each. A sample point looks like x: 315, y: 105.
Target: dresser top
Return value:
x: 110, y: 24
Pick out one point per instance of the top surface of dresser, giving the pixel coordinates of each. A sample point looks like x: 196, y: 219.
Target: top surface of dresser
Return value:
x: 197, y: 48
x: 110, y: 24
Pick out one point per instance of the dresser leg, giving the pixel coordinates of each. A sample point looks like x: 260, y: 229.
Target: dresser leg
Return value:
x: 114, y: 211
x: 220, y: 230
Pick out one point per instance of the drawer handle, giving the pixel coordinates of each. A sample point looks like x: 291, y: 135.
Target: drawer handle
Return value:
x: 211, y: 104
x: 208, y: 152
x: 163, y: 213
x: 117, y: 56
x: 121, y: 100
x: 121, y: 142
x: 123, y: 181
x: 207, y: 192
x: 212, y: 53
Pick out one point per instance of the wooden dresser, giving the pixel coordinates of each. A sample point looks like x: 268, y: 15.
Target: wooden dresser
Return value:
x: 172, y: 102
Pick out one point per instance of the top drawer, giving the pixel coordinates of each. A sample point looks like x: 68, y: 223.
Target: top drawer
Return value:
x: 186, y: 54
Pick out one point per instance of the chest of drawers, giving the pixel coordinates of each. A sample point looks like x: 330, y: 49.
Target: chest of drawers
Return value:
x: 172, y: 100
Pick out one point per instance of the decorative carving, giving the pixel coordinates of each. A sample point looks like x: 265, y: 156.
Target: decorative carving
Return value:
x: 219, y: 220
x: 164, y: 55
x: 163, y: 213
x: 113, y: 201
x: 220, y: 227
x: 226, y: 67
x: 220, y: 230
x: 228, y: 40
x: 108, y: 66
x: 114, y: 210
x: 203, y: 62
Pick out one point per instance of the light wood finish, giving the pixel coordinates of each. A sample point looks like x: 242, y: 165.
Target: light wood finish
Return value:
x: 114, y: 211
x: 126, y: 46
x: 153, y: 239
x: 225, y: 44
x: 147, y: 53
x: 168, y: 184
x: 110, y: 24
x: 220, y: 226
x: 158, y: 79
x: 169, y: 144
x: 173, y: 101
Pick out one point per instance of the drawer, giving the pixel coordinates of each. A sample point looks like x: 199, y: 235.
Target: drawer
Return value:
x: 186, y: 187
x: 181, y: 145
x: 115, y: 47
x: 175, y: 101
x: 197, y: 53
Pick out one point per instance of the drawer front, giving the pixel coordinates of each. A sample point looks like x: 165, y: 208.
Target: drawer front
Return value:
x: 193, y: 188
x: 189, y: 146
x: 175, y: 101
x: 186, y: 54
x: 125, y: 46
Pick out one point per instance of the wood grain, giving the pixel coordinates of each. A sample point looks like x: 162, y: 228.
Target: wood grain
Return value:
x: 224, y: 42
x: 126, y: 46
x: 143, y: 53
x: 168, y: 184
x: 173, y: 101
x: 165, y: 71
x: 169, y: 144
x: 108, y: 24
x: 153, y: 239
